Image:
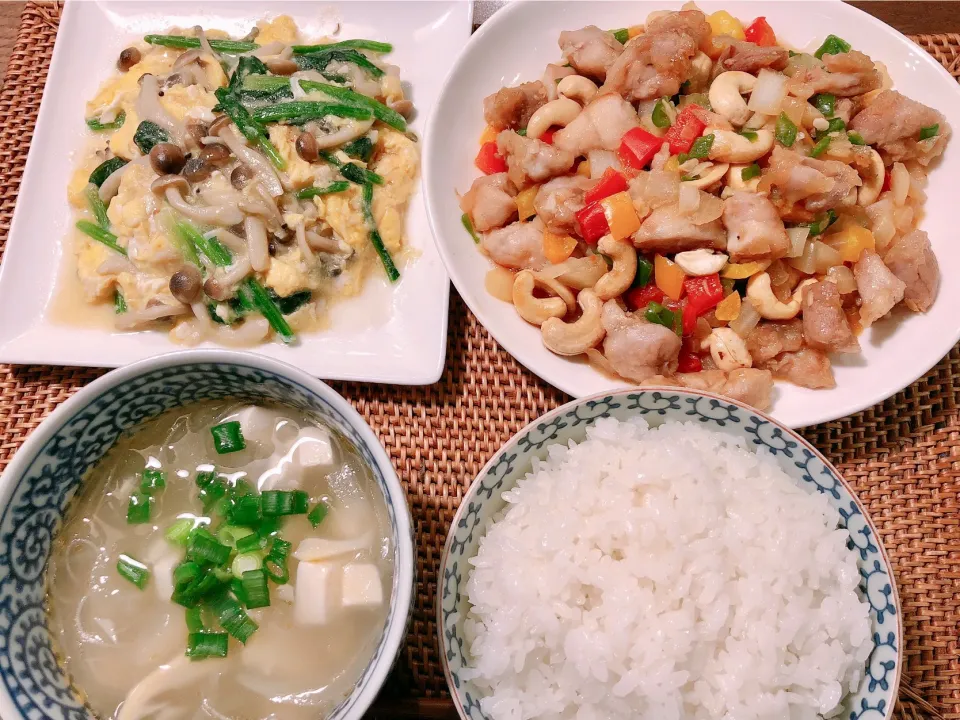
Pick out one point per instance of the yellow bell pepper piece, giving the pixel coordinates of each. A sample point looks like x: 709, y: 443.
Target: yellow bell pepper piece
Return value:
x: 557, y: 248
x: 729, y: 308
x: 524, y: 202
x: 634, y: 30
x: 723, y: 23
x: 672, y: 165
x: 850, y: 242
x: 622, y: 218
x: 584, y: 168
x: 668, y: 277
x: 488, y: 135
x: 741, y: 271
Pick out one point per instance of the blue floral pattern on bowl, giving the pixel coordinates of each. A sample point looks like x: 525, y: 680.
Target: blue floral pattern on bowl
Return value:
x: 874, y: 700
x: 34, y: 507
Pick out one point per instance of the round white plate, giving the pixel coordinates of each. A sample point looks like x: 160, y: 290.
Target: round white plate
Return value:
x: 516, y: 44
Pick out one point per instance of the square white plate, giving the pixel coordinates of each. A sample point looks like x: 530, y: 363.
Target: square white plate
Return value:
x: 387, y: 334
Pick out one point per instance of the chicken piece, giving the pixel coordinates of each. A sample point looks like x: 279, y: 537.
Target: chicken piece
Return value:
x: 667, y: 231
x: 590, y: 50
x: 750, y: 58
x: 518, y: 246
x: 600, y: 126
x: 912, y: 260
x: 879, y: 288
x: 689, y: 22
x: 531, y: 161
x: 817, y: 184
x: 651, y: 66
x: 747, y: 385
x: 893, y: 123
x: 845, y: 75
x: 807, y: 368
x: 512, y: 107
x: 825, y: 325
x: 490, y: 202
x: 559, y: 200
x: 635, y: 348
x: 769, y: 339
x: 754, y: 228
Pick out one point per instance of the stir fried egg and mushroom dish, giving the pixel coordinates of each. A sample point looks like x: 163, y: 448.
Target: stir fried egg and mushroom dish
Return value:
x: 234, y: 189
x: 691, y: 203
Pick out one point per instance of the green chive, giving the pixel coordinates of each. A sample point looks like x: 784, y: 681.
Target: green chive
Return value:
x: 750, y: 135
x: 821, y: 146
x: 202, y: 645
x: 274, y: 503
x: 360, y: 149
x: 335, y: 187
x: 301, y: 111
x: 194, y: 619
x: 149, y: 134
x: 133, y: 570
x: 97, y: 126
x: 825, y: 103
x: 246, y: 561
x: 750, y: 172
x: 318, y: 513
x: 204, y: 547
x: 255, y: 589
x: 179, y: 532
x: 856, y: 138
x: 104, y: 237
x: 138, y: 509
x: 227, y: 437
x: 153, y: 479
x: 97, y: 207
x: 621, y: 35
x: 256, y: 295
x: 468, y: 225
x: 251, y: 543
x: 659, y: 116
x: 786, y: 131
x: 119, y: 304
x: 244, y: 511
x: 833, y: 45
x: 929, y: 132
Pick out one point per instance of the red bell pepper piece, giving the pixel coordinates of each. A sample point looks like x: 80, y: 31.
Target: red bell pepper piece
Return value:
x: 637, y: 148
x: 703, y: 293
x: 689, y: 318
x: 887, y: 180
x: 592, y: 223
x: 689, y: 363
x: 687, y: 128
x: 548, y: 134
x: 640, y: 297
x: 611, y: 182
x: 760, y: 33
x: 489, y: 160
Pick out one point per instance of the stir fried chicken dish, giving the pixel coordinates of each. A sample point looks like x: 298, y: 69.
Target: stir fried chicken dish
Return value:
x: 233, y: 190
x: 690, y: 202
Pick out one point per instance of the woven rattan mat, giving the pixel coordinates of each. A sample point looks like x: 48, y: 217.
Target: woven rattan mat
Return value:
x: 903, y: 456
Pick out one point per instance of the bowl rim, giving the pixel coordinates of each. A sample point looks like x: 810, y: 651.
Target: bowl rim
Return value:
x: 395, y: 628
x: 650, y: 389
x: 448, y: 254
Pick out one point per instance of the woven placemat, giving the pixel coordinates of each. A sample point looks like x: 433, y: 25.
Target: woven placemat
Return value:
x: 902, y: 456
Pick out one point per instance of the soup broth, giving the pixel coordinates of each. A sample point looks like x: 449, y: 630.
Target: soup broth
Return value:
x: 125, y: 647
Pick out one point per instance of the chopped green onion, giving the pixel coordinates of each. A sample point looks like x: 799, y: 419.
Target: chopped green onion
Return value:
x: 318, y: 513
x: 246, y: 561
x: 205, y: 478
x: 621, y: 35
x: 283, y: 502
x: 335, y: 187
x: 251, y: 543
x: 104, y: 237
x: 153, y: 479
x: 275, y: 564
x: 255, y: 589
x: 269, y: 527
x: 194, y: 619
x: 244, y: 511
x: 825, y: 103
x: 786, y: 131
x: 468, y: 226
x: 149, y: 134
x: 391, y: 269
x: 644, y: 271
x: 106, y: 169
x: 96, y: 125
x: 356, y: 44
x: 280, y: 547
x: 750, y: 172
x: 231, y: 534
x: 833, y: 45
x: 856, y: 138
x: 138, y: 509
x: 119, y: 304
x: 97, y: 207
x: 179, y: 532
x: 257, y: 296
x: 133, y: 570
x: 825, y: 221
x: 750, y: 135
x: 821, y: 146
x: 227, y: 437
x: 659, y: 116
x: 929, y: 132
x: 212, y: 493
x: 233, y: 619
x: 192, y: 584
x: 229, y: 47
x: 204, y: 547
x: 202, y: 645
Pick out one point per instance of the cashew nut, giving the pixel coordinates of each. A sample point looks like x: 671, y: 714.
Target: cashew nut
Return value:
x: 712, y: 175
x: 618, y: 278
x: 759, y: 290
x: 732, y: 147
x: 735, y: 179
x: 560, y: 112
x: 726, y: 98
x: 700, y: 262
x: 577, y: 87
x: 577, y: 337
x: 533, y: 309
x: 728, y: 350
x: 872, y: 177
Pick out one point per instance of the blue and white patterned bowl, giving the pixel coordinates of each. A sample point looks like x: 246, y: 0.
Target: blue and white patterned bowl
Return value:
x: 876, y: 696
x: 46, y: 472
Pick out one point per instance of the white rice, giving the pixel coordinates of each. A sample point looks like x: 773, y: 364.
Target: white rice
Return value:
x: 664, y: 574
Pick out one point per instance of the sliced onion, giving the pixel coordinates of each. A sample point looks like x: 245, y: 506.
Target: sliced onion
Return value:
x: 899, y: 183
x: 806, y: 262
x: 794, y: 109
x: 798, y: 239
x: 257, y: 243
x: 689, y: 199
x: 600, y: 160
x: 801, y: 61
x: 842, y: 277
x: 578, y: 273
x: 825, y: 257
x: 768, y: 93
x: 747, y: 320
x: 499, y: 283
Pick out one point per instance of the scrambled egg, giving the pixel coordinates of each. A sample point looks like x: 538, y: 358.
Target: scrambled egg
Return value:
x: 281, y: 29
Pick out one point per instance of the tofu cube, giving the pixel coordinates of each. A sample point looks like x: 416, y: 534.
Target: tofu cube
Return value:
x: 317, y: 549
x: 361, y: 586
x: 313, y: 448
x: 314, y: 599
